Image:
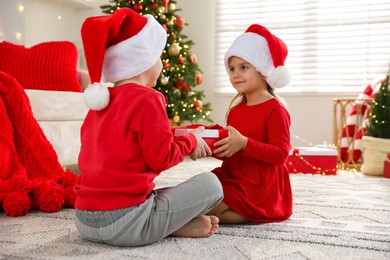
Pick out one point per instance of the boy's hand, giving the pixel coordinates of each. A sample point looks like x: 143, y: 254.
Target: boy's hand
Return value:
x: 231, y: 144
x: 202, y: 149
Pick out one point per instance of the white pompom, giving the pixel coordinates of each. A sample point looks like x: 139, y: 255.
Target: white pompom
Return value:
x: 279, y: 78
x: 96, y: 96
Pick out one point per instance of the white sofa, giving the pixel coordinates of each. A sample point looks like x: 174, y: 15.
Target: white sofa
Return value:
x: 60, y: 115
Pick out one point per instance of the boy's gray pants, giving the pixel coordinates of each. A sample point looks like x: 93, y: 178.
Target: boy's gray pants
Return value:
x: 165, y: 211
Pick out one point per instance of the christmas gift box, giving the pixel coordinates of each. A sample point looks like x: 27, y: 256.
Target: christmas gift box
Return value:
x: 315, y: 160
x: 386, y: 169
x: 211, y: 134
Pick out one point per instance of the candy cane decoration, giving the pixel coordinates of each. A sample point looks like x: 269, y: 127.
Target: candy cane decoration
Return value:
x: 352, y: 133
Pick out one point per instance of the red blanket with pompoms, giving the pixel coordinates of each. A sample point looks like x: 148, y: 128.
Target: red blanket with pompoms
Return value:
x: 30, y: 175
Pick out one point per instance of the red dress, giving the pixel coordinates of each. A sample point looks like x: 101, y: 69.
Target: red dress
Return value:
x: 256, y: 181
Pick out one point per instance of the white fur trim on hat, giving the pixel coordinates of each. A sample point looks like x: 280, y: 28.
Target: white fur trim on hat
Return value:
x: 254, y: 49
x: 135, y: 55
x: 279, y: 78
x: 96, y: 96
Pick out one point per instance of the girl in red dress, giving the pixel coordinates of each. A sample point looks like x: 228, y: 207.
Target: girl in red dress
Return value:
x: 254, y: 174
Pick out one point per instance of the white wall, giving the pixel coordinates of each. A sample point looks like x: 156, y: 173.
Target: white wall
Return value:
x: 43, y: 23
x: 311, y: 112
x: 12, y: 21
x: 44, y: 20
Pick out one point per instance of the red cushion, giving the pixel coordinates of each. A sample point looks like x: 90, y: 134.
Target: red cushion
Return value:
x: 45, y: 66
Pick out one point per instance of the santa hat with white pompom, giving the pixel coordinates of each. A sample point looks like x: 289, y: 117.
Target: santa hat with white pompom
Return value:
x: 265, y: 52
x: 117, y: 47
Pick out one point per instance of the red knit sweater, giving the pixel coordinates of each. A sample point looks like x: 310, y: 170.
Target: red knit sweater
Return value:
x: 124, y: 147
x: 256, y: 181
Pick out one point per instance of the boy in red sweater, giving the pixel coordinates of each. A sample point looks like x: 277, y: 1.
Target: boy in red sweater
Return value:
x: 126, y: 141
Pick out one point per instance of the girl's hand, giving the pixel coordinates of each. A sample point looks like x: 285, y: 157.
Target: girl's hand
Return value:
x: 231, y: 144
x: 202, y: 149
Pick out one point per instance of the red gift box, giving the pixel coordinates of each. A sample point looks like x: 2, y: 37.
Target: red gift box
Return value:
x: 386, y: 168
x: 315, y: 160
x: 386, y: 171
x: 211, y: 134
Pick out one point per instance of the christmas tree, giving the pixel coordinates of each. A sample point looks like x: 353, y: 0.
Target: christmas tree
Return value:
x: 181, y: 73
x: 379, y: 121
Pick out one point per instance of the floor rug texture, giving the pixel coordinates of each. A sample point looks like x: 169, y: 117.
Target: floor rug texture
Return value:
x: 346, y: 216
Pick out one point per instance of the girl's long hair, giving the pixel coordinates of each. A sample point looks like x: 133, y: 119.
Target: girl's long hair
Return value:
x: 239, y: 98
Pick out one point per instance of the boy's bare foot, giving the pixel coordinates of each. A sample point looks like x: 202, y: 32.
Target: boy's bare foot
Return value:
x: 203, y: 226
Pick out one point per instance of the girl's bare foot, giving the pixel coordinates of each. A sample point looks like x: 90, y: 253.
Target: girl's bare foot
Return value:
x: 203, y: 226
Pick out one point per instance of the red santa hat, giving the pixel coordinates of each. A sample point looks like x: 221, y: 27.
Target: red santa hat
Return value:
x: 117, y: 47
x: 264, y: 51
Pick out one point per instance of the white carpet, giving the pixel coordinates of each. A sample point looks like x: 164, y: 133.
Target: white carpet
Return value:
x: 346, y: 216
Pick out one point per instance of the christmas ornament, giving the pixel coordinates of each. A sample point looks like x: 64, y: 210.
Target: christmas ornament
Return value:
x: 174, y: 49
x: 179, y: 83
x: 179, y: 23
x: 198, y: 104
x: 177, y: 92
x: 166, y: 4
x: 153, y: 5
x: 192, y: 58
x: 162, y: 18
x: 172, y: 7
x: 166, y: 65
x: 164, y: 80
x: 138, y: 8
x: 176, y: 118
x: 180, y: 60
x: 165, y: 27
x: 160, y: 10
x: 170, y: 23
x: 198, y: 78
x: 185, y: 87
